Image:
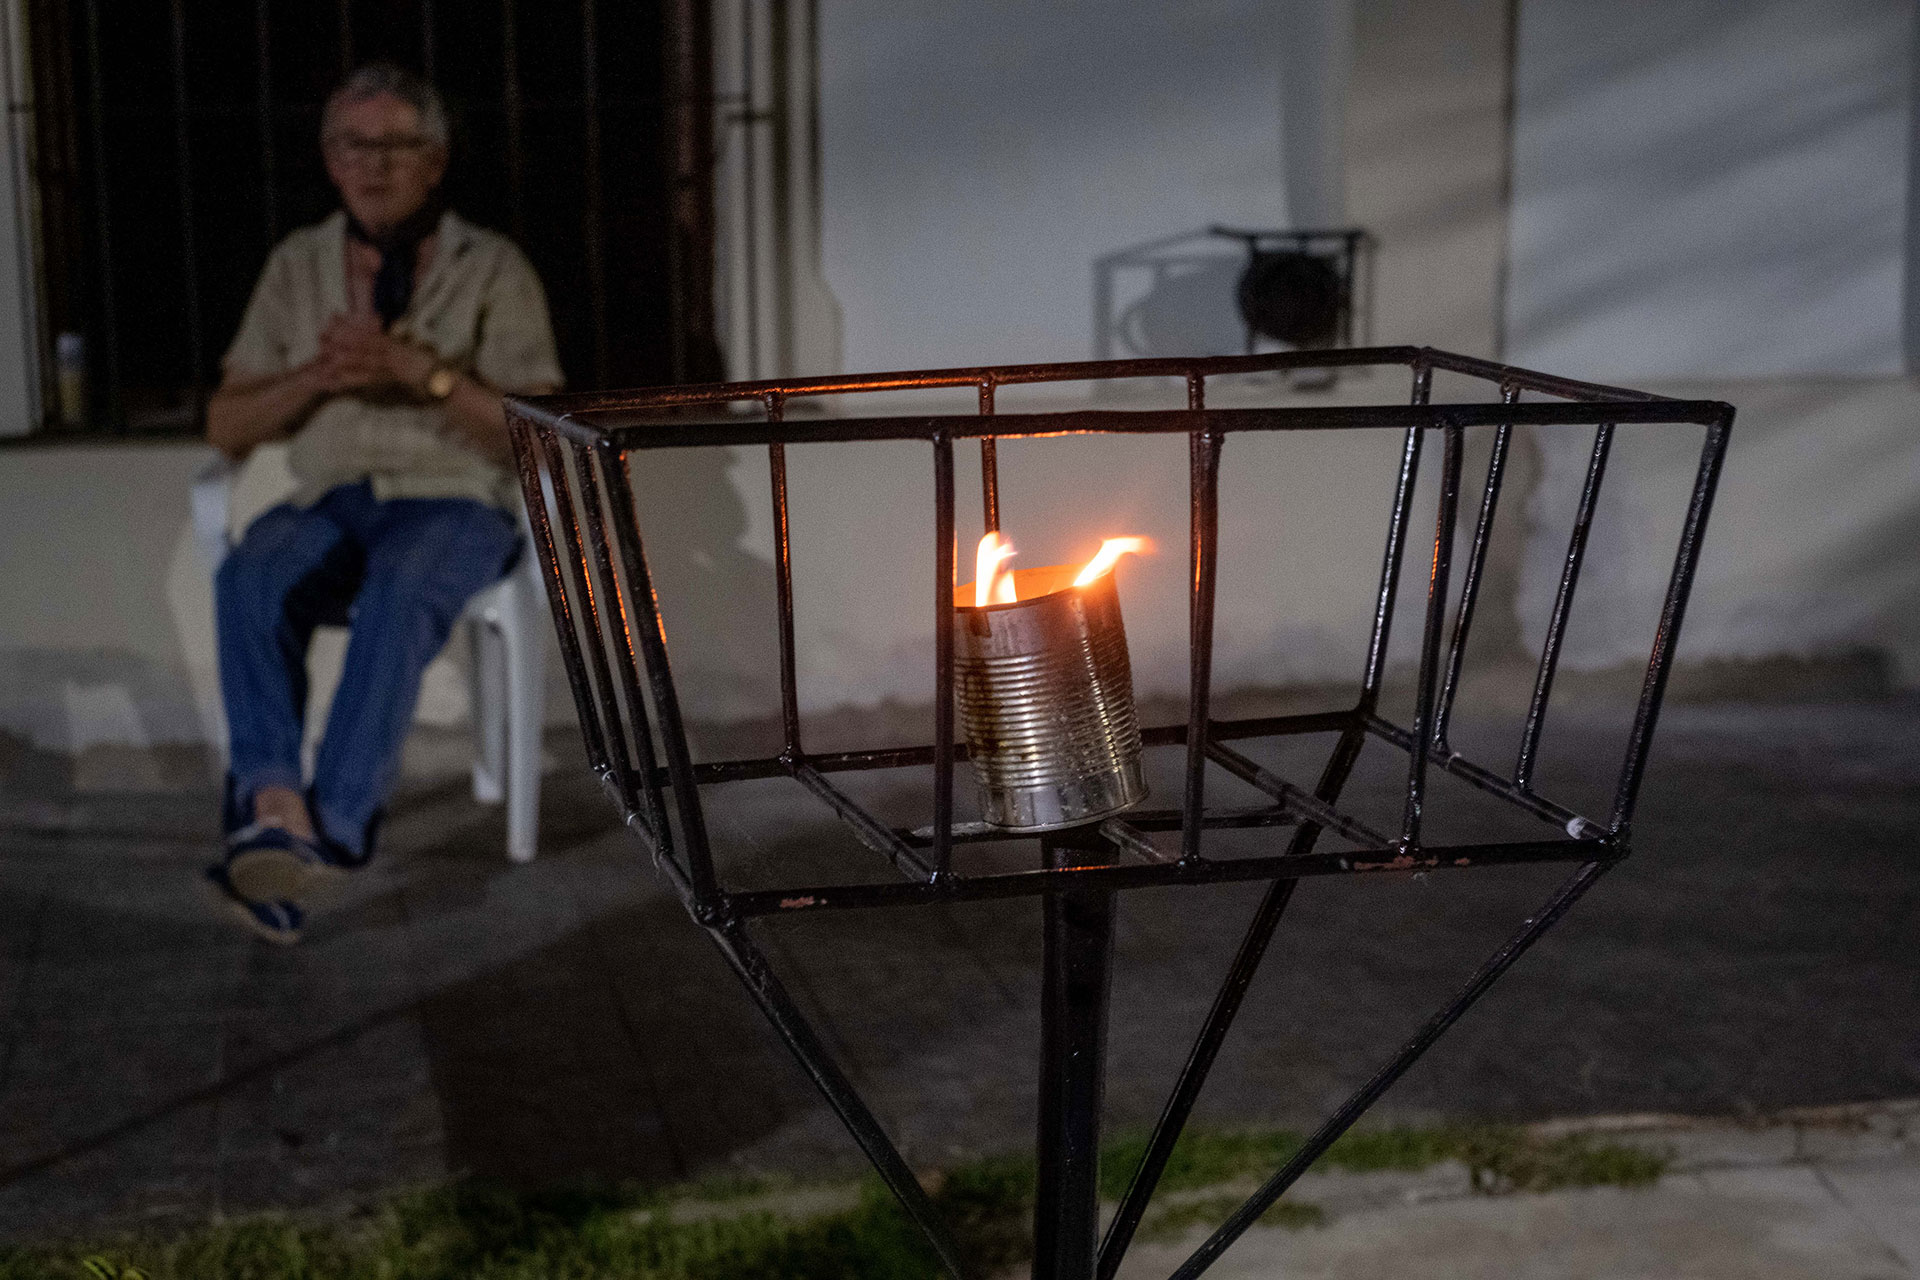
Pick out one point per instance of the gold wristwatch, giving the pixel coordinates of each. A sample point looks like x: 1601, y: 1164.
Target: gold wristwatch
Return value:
x: 441, y: 381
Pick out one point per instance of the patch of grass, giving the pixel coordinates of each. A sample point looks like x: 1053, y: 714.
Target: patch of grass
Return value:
x: 1505, y: 1159
x: 721, y: 1188
x: 1499, y: 1157
x: 474, y: 1231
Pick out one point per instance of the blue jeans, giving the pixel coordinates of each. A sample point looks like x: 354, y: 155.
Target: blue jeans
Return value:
x: 398, y: 574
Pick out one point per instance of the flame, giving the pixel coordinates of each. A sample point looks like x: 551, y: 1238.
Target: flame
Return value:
x: 1109, y: 555
x: 992, y: 579
x: 993, y: 576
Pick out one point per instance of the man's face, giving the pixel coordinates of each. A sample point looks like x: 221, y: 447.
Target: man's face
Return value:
x: 383, y: 165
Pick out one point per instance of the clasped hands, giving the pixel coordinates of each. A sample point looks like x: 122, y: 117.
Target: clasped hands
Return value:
x: 356, y: 354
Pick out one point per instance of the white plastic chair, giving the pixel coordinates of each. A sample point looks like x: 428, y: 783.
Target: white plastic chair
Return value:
x: 507, y: 625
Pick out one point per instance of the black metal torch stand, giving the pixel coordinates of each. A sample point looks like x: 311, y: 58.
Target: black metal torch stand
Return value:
x: 574, y: 454
x: 1076, y: 977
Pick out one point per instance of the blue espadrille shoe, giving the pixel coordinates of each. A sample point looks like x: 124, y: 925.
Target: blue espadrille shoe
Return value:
x: 270, y: 864
x: 276, y: 920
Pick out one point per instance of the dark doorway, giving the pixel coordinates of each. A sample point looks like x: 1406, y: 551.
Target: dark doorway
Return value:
x: 175, y: 143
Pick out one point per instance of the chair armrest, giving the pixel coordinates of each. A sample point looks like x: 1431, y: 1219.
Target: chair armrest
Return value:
x: 212, y: 501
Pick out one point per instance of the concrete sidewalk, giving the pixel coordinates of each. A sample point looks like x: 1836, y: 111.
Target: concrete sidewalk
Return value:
x: 1827, y: 1194
x: 452, y: 1013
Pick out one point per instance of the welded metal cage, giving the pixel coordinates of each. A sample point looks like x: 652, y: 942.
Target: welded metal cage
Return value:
x: 574, y: 454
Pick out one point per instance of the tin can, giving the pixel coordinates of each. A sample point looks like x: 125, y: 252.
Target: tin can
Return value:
x: 1045, y: 696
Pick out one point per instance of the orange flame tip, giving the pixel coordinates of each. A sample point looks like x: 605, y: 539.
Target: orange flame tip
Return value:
x: 1109, y: 555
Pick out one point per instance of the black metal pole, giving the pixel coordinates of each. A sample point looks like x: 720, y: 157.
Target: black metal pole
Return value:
x: 1075, y: 980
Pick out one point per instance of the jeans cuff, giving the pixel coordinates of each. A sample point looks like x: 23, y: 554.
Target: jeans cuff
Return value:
x: 349, y: 842
x: 241, y: 789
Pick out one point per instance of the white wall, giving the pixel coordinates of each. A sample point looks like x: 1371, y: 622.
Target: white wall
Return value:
x: 978, y: 164
x: 106, y: 608
x: 106, y: 614
x: 980, y: 157
x: 1710, y: 199
x: 1811, y: 550
x: 1710, y: 188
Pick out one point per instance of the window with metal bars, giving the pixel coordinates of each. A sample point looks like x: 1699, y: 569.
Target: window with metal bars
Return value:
x: 172, y: 144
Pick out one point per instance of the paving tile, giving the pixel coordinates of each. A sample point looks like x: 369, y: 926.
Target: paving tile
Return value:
x: 1743, y: 1228
x: 1851, y: 1137
x: 359, y: 1092
x: 1711, y: 1146
x: 1886, y: 1196
x: 73, y: 1080
x: 163, y: 1169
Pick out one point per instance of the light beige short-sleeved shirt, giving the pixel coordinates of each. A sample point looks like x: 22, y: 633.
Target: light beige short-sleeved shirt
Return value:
x: 478, y: 305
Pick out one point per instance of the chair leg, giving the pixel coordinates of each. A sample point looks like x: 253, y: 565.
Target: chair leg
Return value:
x: 492, y: 692
x: 526, y: 712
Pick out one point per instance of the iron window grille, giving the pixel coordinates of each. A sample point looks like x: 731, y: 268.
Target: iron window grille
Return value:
x: 173, y: 145
x: 574, y: 455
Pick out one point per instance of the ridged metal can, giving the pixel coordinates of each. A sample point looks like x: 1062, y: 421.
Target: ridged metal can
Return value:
x: 1045, y: 696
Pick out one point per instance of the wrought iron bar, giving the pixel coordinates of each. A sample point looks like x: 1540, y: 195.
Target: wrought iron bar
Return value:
x: 1203, y: 499
x: 943, y: 584
x: 109, y: 332
x: 871, y: 832
x: 750, y: 963
x: 513, y: 107
x: 645, y: 797
x: 1686, y: 560
x: 666, y: 699
x: 593, y: 213
x: 716, y: 771
x: 1129, y: 837
x: 1490, y: 782
x: 1376, y: 668
x: 1562, y: 606
x: 633, y: 430
x: 1476, y: 567
x: 1430, y: 636
x: 269, y: 176
x: 1075, y: 983
x: 783, y: 586
x: 1307, y: 805
x: 1342, y: 1120
x: 584, y: 402
x: 429, y: 45
x: 534, y: 493
x: 1213, y: 1032
x: 794, y: 899
x: 183, y: 178
x: 591, y: 604
x: 989, y: 464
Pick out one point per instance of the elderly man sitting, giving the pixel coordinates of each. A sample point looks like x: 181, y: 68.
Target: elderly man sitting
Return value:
x: 380, y: 340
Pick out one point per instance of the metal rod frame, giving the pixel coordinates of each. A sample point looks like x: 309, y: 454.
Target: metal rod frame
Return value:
x: 574, y: 454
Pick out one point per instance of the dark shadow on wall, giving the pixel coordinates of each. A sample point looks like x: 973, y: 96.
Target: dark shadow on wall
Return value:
x: 1187, y: 308
x: 717, y: 599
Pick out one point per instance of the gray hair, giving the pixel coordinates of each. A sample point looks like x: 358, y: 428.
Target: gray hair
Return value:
x: 377, y: 78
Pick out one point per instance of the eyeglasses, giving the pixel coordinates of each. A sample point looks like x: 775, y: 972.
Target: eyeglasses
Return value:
x: 363, y: 150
